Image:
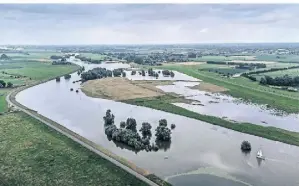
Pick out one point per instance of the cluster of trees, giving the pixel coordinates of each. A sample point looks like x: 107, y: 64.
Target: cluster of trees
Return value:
x: 3, y: 84
x: 128, y: 134
x: 4, y: 57
x: 99, y: 73
x: 88, y: 59
x: 152, y: 73
x: 240, y: 65
x: 167, y: 73
x: 285, y: 80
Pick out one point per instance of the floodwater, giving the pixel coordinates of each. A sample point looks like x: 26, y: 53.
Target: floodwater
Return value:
x: 195, y: 145
x: 177, y: 76
x: 224, y: 106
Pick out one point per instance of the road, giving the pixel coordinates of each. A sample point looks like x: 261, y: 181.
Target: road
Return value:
x: 115, y: 162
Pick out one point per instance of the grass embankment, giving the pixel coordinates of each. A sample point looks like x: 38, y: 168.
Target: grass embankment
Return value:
x: 32, y: 72
x: 164, y: 103
x: 245, y: 89
x: 31, y: 153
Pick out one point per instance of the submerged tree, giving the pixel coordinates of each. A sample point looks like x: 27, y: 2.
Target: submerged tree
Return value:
x: 67, y: 76
x: 172, y: 126
x: 245, y: 146
x: 122, y: 124
x: 109, y: 118
x: 58, y: 79
x: 146, y: 129
x: 131, y: 124
x: 133, y: 72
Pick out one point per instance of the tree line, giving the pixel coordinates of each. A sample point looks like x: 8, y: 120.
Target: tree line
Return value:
x: 127, y: 133
x: 99, y: 73
x: 240, y: 65
x: 285, y: 80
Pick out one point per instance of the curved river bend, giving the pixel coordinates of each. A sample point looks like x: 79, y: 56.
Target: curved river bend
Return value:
x: 200, y: 153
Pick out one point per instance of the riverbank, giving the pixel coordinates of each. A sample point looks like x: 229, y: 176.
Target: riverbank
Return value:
x: 244, y: 89
x: 164, y: 103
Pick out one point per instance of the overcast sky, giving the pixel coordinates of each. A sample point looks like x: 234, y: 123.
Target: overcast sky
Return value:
x: 147, y: 24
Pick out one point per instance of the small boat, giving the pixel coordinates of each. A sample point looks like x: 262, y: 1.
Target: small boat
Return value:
x: 259, y: 155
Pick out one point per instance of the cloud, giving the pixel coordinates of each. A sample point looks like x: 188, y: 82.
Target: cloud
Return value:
x: 204, y: 30
x: 147, y: 23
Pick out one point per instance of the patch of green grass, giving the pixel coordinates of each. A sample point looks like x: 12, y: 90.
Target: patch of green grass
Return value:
x: 282, y: 58
x: 290, y: 72
x: 225, y: 71
x: 3, y: 104
x: 164, y: 103
x: 243, y: 88
x: 41, y: 71
x: 31, y: 153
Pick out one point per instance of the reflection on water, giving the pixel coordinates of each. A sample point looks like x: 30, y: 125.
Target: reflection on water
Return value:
x: 194, y: 144
x: 203, y: 180
x: 228, y: 107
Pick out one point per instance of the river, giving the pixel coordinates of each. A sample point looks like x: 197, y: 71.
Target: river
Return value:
x: 199, y: 154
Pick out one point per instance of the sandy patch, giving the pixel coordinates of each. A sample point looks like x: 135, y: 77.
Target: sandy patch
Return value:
x: 242, y: 61
x: 209, y: 87
x: 120, y: 89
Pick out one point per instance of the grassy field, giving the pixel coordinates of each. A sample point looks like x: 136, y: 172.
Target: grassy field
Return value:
x: 290, y: 72
x: 32, y: 70
x: 245, y: 89
x: 228, y: 70
x: 33, y: 154
x: 38, y: 70
x: 32, y: 55
x: 164, y: 103
x: 282, y: 58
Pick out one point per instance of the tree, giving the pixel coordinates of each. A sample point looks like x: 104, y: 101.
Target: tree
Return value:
x: 124, y: 74
x: 263, y: 81
x: 67, y: 76
x: 9, y: 84
x: 163, y: 122
x: 245, y: 146
x: 122, y: 124
x: 172, y: 126
x: 133, y: 72
x: 143, y: 73
x: 146, y: 129
x: 131, y: 124
x: 163, y: 133
x: 3, y: 84
x: 58, y: 79
x: 109, y: 118
x: 171, y: 74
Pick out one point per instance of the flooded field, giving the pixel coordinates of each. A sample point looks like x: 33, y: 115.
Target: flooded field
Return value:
x: 198, y: 152
x: 224, y: 106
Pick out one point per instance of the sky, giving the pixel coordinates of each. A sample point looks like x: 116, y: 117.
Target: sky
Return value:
x: 69, y: 24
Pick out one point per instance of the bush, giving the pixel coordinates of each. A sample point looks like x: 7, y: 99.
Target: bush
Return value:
x: 67, y: 76
x: 172, y: 126
x: 245, y: 146
x: 133, y: 72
